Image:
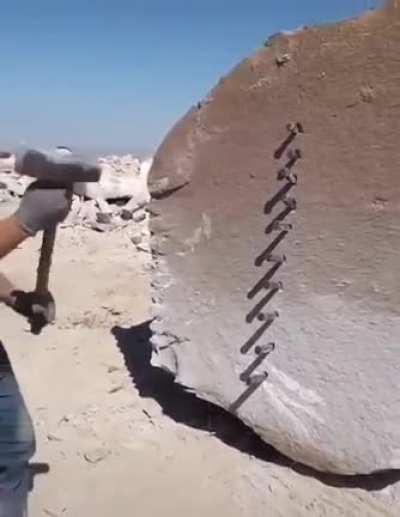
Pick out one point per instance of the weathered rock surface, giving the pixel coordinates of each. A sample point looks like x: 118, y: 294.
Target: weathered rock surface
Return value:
x: 331, y: 399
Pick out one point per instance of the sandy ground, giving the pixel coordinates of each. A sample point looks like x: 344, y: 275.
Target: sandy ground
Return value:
x: 124, y: 441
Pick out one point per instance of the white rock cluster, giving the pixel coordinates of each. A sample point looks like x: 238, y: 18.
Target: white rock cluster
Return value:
x: 117, y: 199
x: 11, y: 184
x: 7, y: 162
x: 122, y: 177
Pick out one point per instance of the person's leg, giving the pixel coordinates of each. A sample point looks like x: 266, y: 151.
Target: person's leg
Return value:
x: 14, y: 492
x: 17, y: 443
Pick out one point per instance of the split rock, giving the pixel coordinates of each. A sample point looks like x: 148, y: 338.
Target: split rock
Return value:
x: 331, y: 398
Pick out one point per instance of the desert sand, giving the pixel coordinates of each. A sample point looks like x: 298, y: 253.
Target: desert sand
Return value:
x: 115, y: 434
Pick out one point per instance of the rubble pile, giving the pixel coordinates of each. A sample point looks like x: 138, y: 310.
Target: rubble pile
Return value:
x: 11, y: 184
x: 118, y: 199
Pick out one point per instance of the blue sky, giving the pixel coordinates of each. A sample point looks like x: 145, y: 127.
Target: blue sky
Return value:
x: 116, y: 74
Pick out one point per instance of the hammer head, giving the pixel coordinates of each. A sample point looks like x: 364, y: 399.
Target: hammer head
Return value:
x: 60, y: 168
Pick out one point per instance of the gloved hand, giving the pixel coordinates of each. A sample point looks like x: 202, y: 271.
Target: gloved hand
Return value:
x: 39, y: 309
x: 43, y: 206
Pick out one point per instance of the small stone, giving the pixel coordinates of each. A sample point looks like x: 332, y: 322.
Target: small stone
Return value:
x: 103, y: 218
x: 96, y: 455
x: 101, y: 227
x: 126, y: 215
x: 139, y: 217
x: 136, y: 239
x: 133, y: 205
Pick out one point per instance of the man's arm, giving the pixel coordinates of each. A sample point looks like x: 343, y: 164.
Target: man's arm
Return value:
x: 6, y: 290
x: 42, y: 207
x: 11, y: 234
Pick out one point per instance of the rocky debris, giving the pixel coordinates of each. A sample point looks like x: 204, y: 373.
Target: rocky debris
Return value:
x: 13, y: 183
x: 126, y: 215
x: 134, y: 204
x: 117, y: 200
x: 140, y: 238
x: 5, y: 195
x: 102, y: 216
x: 137, y: 239
x: 139, y: 217
x: 7, y: 162
x: 122, y: 177
x: 325, y: 393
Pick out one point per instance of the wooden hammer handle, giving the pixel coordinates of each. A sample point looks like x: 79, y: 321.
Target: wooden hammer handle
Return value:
x: 46, y: 252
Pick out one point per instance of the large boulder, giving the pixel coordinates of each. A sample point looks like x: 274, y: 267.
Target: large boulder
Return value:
x: 305, y: 351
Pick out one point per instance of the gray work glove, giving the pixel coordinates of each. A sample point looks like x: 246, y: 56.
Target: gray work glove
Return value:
x: 43, y: 206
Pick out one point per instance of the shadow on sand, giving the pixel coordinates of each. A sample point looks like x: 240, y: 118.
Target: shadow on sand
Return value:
x: 184, y: 407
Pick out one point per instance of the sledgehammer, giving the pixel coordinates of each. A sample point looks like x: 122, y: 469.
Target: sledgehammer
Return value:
x: 60, y: 170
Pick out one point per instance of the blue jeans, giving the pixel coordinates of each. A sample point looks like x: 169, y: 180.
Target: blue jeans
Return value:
x: 17, y: 443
